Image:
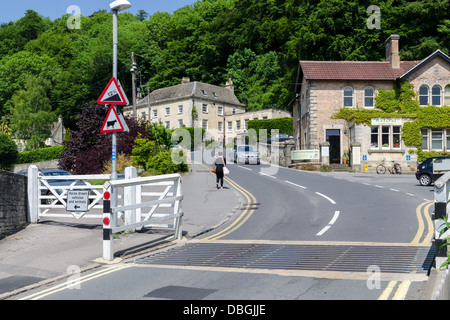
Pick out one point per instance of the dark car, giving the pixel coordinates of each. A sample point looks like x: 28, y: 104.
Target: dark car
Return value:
x: 425, y: 173
x: 279, y: 137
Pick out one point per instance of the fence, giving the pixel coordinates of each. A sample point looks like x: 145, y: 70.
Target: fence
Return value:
x: 441, y: 197
x: 48, y: 195
x: 141, y: 208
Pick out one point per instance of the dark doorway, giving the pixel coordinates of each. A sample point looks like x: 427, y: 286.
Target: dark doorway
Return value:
x: 334, y: 138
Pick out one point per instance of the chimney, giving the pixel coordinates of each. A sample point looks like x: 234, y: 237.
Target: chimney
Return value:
x: 185, y: 80
x: 392, y: 51
x: 230, y: 85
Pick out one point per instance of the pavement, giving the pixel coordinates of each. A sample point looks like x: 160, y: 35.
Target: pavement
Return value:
x: 52, y: 249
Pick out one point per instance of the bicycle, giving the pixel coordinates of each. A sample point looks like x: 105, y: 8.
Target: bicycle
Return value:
x: 396, y: 168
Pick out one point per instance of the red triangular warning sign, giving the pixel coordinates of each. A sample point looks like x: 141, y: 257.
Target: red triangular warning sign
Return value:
x: 112, y: 122
x: 112, y: 94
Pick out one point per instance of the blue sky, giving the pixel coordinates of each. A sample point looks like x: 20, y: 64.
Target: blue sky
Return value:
x: 15, y: 9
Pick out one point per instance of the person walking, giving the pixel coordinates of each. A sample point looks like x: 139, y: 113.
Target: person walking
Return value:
x: 220, y: 163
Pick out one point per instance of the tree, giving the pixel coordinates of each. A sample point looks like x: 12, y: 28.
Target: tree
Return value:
x: 32, y: 115
x: 89, y: 150
x: 8, y: 152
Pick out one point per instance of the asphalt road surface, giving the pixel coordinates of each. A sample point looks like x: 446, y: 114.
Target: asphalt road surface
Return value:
x: 297, y: 236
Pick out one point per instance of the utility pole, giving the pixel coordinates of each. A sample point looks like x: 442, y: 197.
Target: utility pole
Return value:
x: 133, y: 74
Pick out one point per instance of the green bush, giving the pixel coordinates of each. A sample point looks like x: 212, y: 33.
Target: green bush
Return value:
x: 8, y: 152
x: 39, y: 155
x: 283, y: 125
x: 162, y: 163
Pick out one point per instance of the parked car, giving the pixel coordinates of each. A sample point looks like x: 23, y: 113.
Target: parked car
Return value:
x: 246, y: 154
x: 425, y: 173
x: 280, y: 137
x: 53, y: 183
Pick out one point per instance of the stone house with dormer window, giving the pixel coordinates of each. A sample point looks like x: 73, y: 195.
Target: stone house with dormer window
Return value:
x: 326, y: 87
x: 197, y: 104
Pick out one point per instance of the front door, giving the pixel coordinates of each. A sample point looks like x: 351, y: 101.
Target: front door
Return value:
x: 334, y: 138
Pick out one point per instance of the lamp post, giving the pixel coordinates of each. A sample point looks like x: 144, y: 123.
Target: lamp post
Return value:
x: 116, y: 7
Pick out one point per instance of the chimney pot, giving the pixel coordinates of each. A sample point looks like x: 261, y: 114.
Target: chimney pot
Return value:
x: 392, y: 50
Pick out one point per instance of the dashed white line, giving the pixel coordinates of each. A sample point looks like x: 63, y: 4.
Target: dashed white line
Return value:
x: 379, y: 186
x: 395, y: 190
x: 245, y: 168
x: 268, y: 175
x: 294, y: 184
x: 324, y: 196
x: 335, y: 217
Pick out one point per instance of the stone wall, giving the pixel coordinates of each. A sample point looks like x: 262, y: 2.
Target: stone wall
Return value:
x: 13, y: 202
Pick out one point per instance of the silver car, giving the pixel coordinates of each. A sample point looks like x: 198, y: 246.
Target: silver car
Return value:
x: 246, y: 154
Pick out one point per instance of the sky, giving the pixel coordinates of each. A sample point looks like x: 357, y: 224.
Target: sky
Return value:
x: 54, y: 9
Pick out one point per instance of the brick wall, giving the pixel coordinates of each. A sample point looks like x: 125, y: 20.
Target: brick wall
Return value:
x: 13, y: 202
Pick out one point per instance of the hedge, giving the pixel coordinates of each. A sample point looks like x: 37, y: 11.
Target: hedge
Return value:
x: 284, y: 125
x: 39, y: 155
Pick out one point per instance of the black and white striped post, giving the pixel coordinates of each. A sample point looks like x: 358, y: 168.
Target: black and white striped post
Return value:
x: 441, y: 199
x: 108, y: 252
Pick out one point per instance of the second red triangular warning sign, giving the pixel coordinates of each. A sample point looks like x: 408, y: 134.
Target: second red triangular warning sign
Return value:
x: 113, y: 122
x: 112, y: 94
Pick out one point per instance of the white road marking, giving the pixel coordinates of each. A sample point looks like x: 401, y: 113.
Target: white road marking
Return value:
x: 245, y: 168
x: 268, y: 175
x: 328, y: 198
x: 335, y: 217
x: 294, y: 184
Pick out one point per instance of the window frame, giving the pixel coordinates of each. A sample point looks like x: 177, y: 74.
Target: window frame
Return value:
x: 372, y: 97
x: 352, y: 97
x: 439, y: 96
x: 423, y: 95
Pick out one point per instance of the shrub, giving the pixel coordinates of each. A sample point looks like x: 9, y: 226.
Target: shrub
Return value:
x: 8, y: 152
x: 162, y: 163
x: 283, y: 125
x: 39, y: 155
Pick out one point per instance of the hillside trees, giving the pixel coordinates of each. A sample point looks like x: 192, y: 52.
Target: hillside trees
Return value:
x: 256, y: 42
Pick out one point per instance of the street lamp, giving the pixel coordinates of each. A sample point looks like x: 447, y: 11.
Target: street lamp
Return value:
x: 116, y: 6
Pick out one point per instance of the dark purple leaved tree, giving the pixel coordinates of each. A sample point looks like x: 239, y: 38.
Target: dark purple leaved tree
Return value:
x: 88, y: 149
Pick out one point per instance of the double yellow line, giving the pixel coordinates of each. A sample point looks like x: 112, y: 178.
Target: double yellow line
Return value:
x: 72, y: 283
x: 403, y: 287
x: 246, y: 214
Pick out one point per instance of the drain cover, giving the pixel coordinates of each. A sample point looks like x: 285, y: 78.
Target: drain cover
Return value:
x: 349, y: 258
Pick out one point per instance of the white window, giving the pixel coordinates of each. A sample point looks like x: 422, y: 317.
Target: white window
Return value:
x: 423, y: 95
x: 385, y: 138
x: 167, y: 124
x: 447, y: 95
x: 437, y: 139
x: 168, y: 111
x: 424, y: 139
x: 155, y: 113
x: 348, y: 97
x: 220, y: 111
x: 180, y: 123
x: 205, y: 124
x: 238, y: 125
x: 180, y: 109
x: 436, y: 95
x: 369, y: 97
x: 246, y: 124
x: 220, y: 126
x: 205, y: 108
x: 230, y: 126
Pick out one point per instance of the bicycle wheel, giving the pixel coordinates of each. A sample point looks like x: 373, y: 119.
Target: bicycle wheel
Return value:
x: 398, y: 168
x: 381, y: 169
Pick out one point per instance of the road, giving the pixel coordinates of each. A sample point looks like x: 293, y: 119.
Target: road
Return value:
x: 297, y: 236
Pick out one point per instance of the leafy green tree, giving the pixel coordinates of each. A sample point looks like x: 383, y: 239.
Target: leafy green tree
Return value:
x: 8, y: 152
x: 32, y: 115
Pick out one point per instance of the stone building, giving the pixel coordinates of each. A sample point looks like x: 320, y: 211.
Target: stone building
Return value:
x: 197, y: 104
x: 324, y: 87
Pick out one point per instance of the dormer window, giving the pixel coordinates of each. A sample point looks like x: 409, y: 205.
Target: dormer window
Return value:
x: 204, y: 93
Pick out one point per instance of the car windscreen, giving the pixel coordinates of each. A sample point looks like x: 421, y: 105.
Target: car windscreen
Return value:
x: 245, y: 149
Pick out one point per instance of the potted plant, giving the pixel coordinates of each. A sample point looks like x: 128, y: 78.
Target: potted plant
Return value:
x: 345, y: 158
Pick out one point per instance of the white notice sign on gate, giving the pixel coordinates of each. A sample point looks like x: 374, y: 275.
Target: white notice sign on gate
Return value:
x: 77, y: 201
